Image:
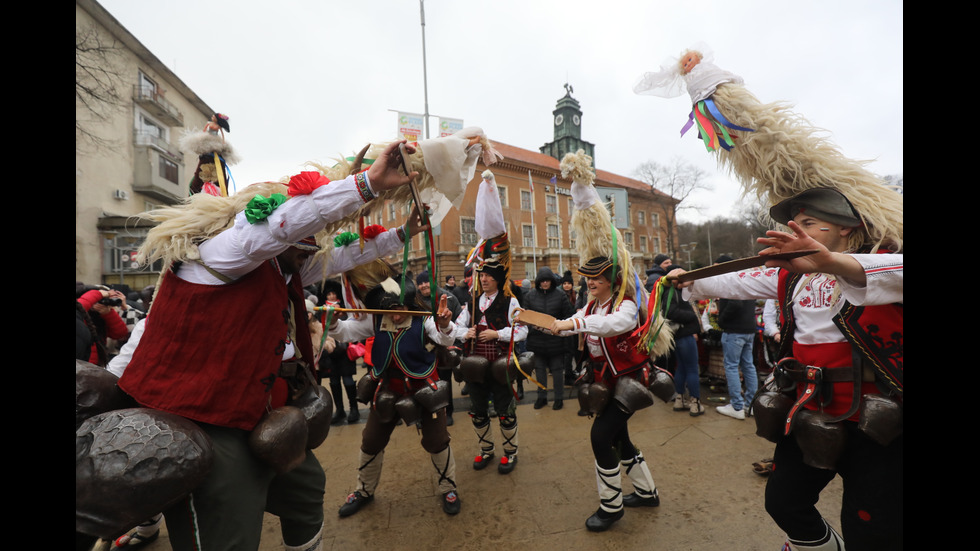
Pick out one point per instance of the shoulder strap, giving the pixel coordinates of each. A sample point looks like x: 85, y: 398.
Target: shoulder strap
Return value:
x: 215, y: 273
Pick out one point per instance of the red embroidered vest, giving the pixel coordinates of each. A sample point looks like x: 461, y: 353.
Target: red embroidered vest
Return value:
x: 211, y: 352
x: 619, y: 353
x: 876, y: 333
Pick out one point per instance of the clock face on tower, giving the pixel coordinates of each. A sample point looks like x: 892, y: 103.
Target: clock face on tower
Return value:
x: 559, y: 118
x: 575, y: 120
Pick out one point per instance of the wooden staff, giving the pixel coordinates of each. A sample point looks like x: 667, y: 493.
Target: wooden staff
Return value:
x: 372, y: 311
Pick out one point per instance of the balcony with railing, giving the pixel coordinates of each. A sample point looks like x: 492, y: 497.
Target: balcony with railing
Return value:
x: 150, y: 99
x: 157, y: 168
x: 149, y: 139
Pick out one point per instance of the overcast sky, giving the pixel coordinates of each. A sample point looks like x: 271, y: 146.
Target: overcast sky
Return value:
x: 313, y: 80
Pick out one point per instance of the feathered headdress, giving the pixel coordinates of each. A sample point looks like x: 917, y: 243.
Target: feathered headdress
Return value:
x: 595, y: 234
x: 596, y: 237
x: 214, y: 155
x: 777, y: 154
x: 491, y: 254
x: 445, y: 166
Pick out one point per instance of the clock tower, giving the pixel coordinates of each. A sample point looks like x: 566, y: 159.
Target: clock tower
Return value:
x: 567, y: 121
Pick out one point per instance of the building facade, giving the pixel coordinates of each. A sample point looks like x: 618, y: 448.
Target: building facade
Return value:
x: 537, y: 207
x: 130, y: 111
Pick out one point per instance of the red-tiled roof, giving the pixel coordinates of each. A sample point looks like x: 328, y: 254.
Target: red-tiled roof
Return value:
x: 548, y: 163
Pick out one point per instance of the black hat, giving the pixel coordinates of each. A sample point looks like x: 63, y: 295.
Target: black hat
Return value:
x: 600, y: 265
x: 222, y: 121
x: 387, y: 296
x: 723, y: 258
x: 423, y: 277
x: 659, y: 259
x: 822, y: 203
x: 496, y: 271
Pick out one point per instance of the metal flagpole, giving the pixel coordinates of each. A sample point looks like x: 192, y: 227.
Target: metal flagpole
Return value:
x: 561, y: 263
x: 534, y: 249
x: 425, y: 78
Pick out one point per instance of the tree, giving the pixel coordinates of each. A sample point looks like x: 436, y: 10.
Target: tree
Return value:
x: 678, y: 180
x: 735, y: 237
x: 97, y: 84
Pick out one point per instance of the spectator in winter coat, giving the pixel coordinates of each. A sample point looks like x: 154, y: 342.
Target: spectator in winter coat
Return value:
x: 551, y: 352
x: 687, y: 372
x: 659, y: 269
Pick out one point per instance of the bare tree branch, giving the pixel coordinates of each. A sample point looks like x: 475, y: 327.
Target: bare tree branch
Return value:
x: 678, y: 179
x: 97, y: 85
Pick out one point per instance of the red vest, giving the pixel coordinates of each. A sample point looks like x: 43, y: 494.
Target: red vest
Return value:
x: 619, y: 353
x: 211, y: 352
x: 874, y: 332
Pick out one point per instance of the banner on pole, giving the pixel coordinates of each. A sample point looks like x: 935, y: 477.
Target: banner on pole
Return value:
x: 410, y: 126
x: 448, y: 127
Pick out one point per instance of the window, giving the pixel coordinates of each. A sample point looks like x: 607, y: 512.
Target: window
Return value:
x: 571, y: 239
x: 119, y: 252
x: 391, y: 210
x: 529, y: 271
x: 554, y: 240
x: 467, y: 231
x: 628, y: 238
x: 643, y: 243
x: 148, y: 88
x: 168, y: 169
x: 525, y: 199
x: 551, y: 204
x: 641, y: 217
x: 656, y: 245
x: 655, y: 220
x: 527, y: 232
x: 502, y: 191
x: 571, y: 206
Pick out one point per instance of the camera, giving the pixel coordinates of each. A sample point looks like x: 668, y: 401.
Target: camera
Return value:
x: 111, y: 301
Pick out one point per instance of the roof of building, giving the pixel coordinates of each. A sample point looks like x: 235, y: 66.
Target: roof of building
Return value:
x: 549, y: 163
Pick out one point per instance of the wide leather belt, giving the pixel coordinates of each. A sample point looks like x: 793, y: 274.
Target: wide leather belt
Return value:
x: 800, y: 373
x: 796, y: 372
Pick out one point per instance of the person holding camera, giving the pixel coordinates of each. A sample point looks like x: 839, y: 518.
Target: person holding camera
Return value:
x: 106, y: 323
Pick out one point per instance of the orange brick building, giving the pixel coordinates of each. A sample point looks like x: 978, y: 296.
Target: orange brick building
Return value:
x: 538, y: 221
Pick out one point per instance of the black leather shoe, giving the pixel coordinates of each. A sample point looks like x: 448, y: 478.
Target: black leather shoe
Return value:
x: 450, y: 502
x: 600, y: 521
x: 482, y: 461
x: 338, y: 418
x: 354, y: 503
x: 540, y: 402
x: 558, y: 405
x: 507, y: 463
x: 633, y: 500
x: 354, y: 416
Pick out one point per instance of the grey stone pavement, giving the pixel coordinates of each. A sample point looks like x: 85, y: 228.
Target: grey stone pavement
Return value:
x: 710, y: 497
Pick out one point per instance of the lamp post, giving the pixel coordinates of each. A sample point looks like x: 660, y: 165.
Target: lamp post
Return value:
x: 689, y: 248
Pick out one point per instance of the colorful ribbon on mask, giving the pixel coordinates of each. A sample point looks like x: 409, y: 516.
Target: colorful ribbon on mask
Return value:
x: 221, y: 175
x: 615, y: 268
x: 712, y: 126
x: 650, y: 331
